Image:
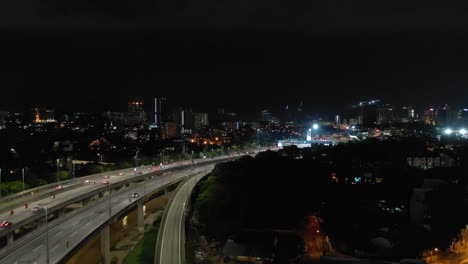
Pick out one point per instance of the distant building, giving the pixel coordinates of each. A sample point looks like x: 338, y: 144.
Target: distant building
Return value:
x: 368, y: 112
x: 444, y: 115
x: 429, y: 161
x: 3, y: 118
x: 184, y: 119
x: 136, y: 115
x: 266, y: 116
x: 388, y: 113
x: 462, y: 117
x: 429, y: 116
x: 43, y: 115
x: 418, y: 203
x: 160, y: 110
x: 169, y: 130
x: 200, y: 120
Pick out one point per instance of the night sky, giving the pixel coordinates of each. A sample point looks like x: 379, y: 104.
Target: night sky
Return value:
x: 232, y: 54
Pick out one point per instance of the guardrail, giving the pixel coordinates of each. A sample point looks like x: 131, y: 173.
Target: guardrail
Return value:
x: 40, y: 192
x: 125, y: 210
x: 101, y: 189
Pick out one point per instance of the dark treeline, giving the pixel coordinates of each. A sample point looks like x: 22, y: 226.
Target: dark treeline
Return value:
x: 278, y: 189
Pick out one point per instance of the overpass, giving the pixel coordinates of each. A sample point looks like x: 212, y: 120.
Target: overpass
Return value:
x: 68, y: 230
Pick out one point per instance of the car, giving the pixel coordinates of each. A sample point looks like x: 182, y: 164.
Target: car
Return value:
x: 105, y: 182
x: 37, y: 208
x: 140, y: 172
x: 5, y: 224
x: 106, y: 176
x: 87, y: 181
x: 121, y: 173
x: 58, y: 187
x: 135, y: 195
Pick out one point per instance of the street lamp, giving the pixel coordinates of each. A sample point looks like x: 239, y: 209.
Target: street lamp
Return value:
x: 258, y: 132
x: 110, y: 200
x: 432, y: 253
x: 100, y: 161
x: 136, y: 158
x: 58, y: 170
x: 22, y: 172
x: 47, y: 234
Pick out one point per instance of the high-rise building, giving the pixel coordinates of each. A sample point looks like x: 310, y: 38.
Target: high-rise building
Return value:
x: 169, y: 130
x: 388, y: 113
x: 429, y: 116
x: 462, y: 116
x: 444, y: 115
x: 266, y: 116
x: 160, y: 110
x: 184, y: 119
x: 135, y: 106
x: 200, y: 120
x: 136, y: 115
x: 368, y: 112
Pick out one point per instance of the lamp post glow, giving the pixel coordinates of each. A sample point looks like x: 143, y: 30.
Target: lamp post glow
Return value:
x: 315, y: 126
x: 463, y: 131
x: 58, y: 170
x: 448, y: 131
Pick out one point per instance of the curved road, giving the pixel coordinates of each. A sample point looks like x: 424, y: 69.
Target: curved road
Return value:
x: 173, y: 236
x: 80, y: 226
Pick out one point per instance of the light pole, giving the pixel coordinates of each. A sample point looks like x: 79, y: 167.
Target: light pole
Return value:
x: 58, y: 170
x: 258, y: 132
x: 162, y: 157
x: 100, y: 161
x: 110, y: 201
x: 73, y: 170
x: 0, y: 182
x: 22, y: 172
x: 47, y: 235
x: 136, y: 158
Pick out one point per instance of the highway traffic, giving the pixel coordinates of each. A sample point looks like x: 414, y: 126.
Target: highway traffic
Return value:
x: 66, y: 235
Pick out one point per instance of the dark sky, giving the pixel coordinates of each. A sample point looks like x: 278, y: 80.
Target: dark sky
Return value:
x: 243, y: 55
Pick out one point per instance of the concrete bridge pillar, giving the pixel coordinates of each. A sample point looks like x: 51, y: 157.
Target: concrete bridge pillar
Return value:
x: 105, y: 245
x: 10, y: 238
x: 141, y: 217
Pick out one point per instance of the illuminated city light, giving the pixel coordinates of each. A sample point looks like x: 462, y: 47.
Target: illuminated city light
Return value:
x: 448, y: 131
x: 463, y: 131
x: 315, y: 126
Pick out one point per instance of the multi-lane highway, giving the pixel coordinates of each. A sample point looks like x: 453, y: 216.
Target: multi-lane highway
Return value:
x: 22, y: 214
x: 86, y: 185
x: 173, y: 232
x: 82, y: 225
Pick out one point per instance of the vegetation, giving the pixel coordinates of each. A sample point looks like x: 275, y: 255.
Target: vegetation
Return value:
x: 277, y: 189
x: 145, y: 249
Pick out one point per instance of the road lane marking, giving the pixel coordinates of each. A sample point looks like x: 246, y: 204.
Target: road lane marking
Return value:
x: 58, y: 234
x: 37, y: 248
x: 54, y: 248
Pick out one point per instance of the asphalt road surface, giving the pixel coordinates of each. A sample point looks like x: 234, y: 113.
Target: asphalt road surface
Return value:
x: 173, y: 235
x: 80, y: 226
